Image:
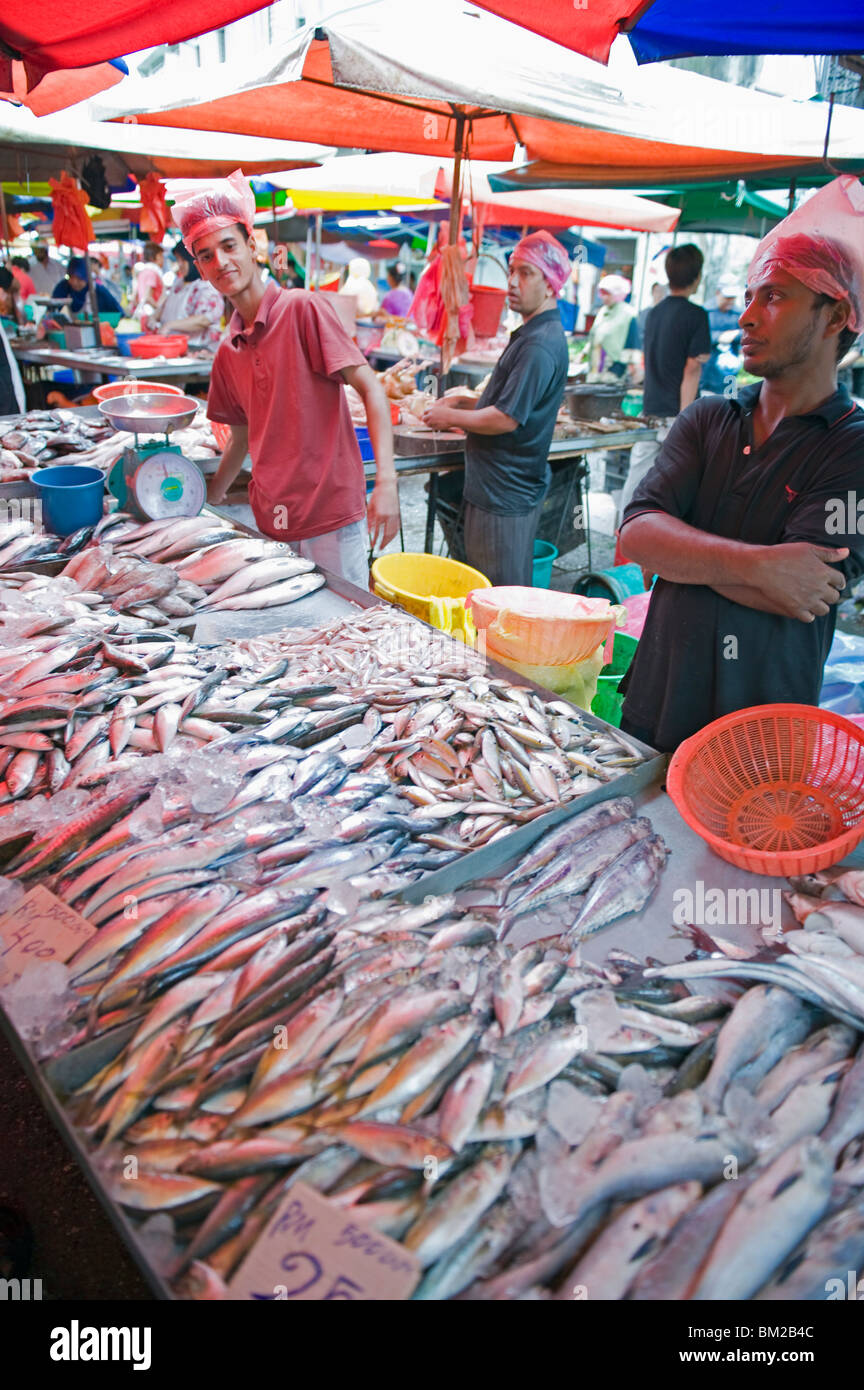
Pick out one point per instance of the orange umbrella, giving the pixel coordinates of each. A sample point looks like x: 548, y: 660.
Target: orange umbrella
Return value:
x: 72, y: 226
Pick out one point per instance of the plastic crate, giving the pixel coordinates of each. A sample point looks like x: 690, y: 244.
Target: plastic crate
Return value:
x: 608, y: 702
x: 367, y: 453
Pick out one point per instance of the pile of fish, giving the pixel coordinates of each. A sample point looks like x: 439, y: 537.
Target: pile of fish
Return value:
x: 211, y: 563
x: 528, y: 1124
x: 22, y: 544
x: 41, y: 436
x: 823, y: 963
x: 620, y: 860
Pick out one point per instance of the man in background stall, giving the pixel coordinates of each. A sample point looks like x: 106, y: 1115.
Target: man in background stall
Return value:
x: 676, y: 343
x: 73, y: 287
x: 44, y: 269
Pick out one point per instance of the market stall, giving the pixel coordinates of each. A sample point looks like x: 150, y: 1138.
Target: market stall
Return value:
x: 301, y: 898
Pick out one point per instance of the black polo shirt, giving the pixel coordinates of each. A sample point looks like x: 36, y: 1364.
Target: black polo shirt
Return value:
x: 509, y: 473
x: 702, y: 656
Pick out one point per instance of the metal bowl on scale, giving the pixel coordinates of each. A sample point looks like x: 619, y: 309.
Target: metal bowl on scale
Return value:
x: 155, y: 480
x: 152, y: 413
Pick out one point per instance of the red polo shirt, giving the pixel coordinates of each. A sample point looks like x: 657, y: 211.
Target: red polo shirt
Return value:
x: 281, y: 377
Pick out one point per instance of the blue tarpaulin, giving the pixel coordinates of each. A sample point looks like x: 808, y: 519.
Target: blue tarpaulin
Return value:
x: 680, y: 29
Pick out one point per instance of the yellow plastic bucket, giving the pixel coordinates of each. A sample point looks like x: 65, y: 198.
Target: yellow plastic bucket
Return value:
x: 430, y: 587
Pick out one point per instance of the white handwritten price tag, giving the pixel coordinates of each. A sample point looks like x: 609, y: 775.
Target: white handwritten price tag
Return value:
x: 41, y: 927
x: 313, y: 1250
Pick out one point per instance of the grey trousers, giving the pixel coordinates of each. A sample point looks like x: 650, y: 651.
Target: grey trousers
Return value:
x: 499, y: 546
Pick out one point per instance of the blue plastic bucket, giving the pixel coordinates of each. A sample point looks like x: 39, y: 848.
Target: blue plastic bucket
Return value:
x: 71, y: 497
x: 545, y: 555
x: 616, y: 583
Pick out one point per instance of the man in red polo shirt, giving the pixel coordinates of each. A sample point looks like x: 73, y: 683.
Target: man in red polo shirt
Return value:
x: 277, y: 381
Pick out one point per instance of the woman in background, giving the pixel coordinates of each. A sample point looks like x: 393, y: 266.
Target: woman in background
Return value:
x: 191, y: 306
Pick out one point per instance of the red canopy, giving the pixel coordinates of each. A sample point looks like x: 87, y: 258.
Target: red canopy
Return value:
x: 589, y: 27
x: 47, y: 92
x: 78, y: 33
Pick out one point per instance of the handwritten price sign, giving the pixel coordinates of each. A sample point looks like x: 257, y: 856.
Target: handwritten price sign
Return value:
x: 314, y: 1251
x: 41, y: 927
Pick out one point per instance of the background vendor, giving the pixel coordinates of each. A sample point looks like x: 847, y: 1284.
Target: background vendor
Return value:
x: 613, y: 340
x: 277, y: 381
x: 745, y: 516
x: 74, y: 288
x: 510, y: 426
x: 192, y: 306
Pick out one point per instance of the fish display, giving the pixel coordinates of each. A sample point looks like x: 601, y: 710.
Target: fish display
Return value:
x: 397, y: 1060
x: 822, y: 963
x: 256, y: 1008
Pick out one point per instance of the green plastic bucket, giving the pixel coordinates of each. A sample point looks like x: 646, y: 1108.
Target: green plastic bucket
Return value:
x: 616, y: 583
x: 545, y: 555
x: 607, y: 703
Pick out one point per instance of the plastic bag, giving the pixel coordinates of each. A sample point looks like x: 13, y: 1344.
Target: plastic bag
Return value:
x: 821, y: 244
x: 225, y: 202
x: 576, y: 682
x: 843, y: 678
x: 72, y: 227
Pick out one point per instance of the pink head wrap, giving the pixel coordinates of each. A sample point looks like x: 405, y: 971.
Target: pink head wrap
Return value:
x: 616, y: 286
x: 540, y: 249
x: 224, y: 203
x: 822, y: 245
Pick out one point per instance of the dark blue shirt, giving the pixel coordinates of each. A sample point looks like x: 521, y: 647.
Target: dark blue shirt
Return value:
x: 509, y: 473
x: 701, y: 656
x: 105, y: 300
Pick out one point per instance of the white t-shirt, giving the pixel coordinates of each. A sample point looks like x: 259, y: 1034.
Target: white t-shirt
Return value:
x: 45, y: 276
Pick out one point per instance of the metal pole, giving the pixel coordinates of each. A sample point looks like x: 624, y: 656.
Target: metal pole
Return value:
x: 5, y: 218
x: 791, y: 195
x: 91, y: 292
x: 319, y: 222
x: 456, y: 189
x: 307, y: 277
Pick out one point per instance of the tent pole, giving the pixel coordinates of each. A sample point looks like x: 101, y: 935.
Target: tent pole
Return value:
x: 4, y: 218
x: 319, y: 223
x: 307, y: 277
x: 456, y: 189
x: 791, y: 196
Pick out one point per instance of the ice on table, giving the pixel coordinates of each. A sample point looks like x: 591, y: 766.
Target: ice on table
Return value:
x: 571, y: 1112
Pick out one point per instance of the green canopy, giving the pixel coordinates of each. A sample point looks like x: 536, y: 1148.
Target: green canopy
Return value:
x: 541, y: 173
x: 731, y: 209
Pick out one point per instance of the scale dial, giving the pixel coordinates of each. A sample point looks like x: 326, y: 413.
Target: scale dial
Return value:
x: 167, y: 484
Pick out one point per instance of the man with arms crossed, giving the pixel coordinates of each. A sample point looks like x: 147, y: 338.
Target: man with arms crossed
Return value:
x: 739, y: 516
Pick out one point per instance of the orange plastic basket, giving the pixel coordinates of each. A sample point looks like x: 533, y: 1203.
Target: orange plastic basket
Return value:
x: 776, y: 789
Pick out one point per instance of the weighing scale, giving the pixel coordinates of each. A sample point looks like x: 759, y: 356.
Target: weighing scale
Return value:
x: 155, y: 480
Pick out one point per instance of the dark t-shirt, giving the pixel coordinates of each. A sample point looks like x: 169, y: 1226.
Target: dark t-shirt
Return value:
x: 509, y: 473
x: 79, y: 299
x: 701, y: 656
x: 675, y: 329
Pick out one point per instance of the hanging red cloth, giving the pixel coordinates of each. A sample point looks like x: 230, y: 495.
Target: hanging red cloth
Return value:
x: 72, y: 226
x: 155, y: 215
